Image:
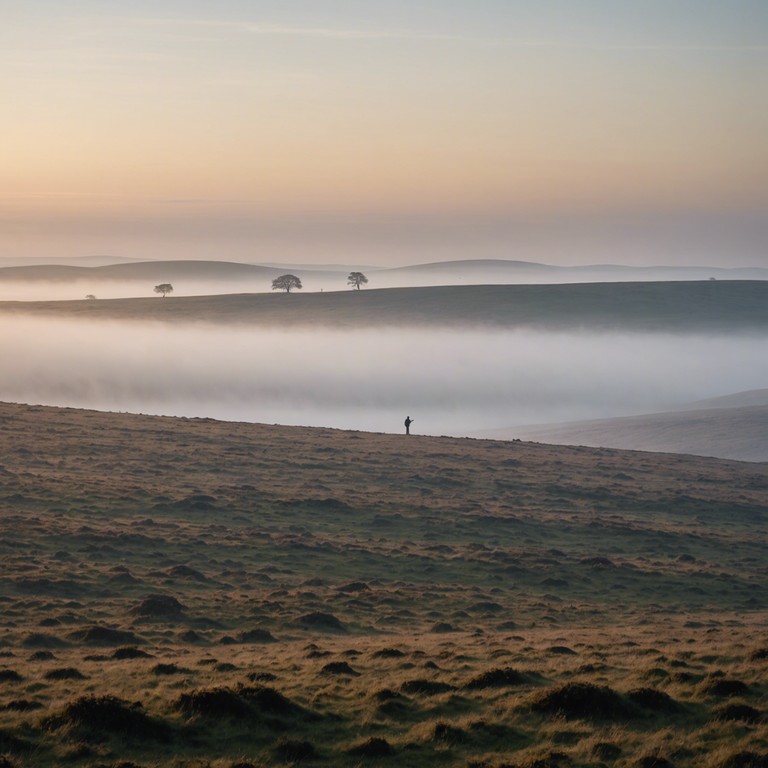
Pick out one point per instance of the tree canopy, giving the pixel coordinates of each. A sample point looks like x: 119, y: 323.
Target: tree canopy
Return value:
x: 164, y: 288
x: 357, y: 279
x: 286, y: 283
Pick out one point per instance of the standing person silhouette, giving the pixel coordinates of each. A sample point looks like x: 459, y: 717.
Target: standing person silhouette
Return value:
x: 408, y: 422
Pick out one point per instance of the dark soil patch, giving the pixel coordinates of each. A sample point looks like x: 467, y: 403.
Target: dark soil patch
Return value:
x: 64, y: 673
x: 583, y: 701
x: 426, y: 687
x: 759, y: 654
x: 497, y: 678
x: 97, y: 718
x: 324, y: 622
x: 373, y: 747
x: 561, y: 650
x: 104, y: 636
x: 10, y: 676
x: 339, y: 668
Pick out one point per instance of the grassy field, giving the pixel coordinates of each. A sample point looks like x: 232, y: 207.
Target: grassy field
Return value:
x: 696, y: 307
x: 187, y: 592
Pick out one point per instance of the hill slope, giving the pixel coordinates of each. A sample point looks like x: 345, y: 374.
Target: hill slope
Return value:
x: 728, y: 433
x: 213, y: 594
x: 705, y: 306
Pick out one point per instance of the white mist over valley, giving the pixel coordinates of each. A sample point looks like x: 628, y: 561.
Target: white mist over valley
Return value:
x: 450, y: 381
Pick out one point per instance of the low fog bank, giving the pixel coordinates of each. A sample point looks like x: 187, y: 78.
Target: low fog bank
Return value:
x: 450, y: 382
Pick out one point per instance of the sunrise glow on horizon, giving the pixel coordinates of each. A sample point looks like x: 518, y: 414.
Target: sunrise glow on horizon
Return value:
x: 163, y: 130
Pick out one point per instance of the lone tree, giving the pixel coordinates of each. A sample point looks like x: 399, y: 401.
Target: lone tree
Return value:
x: 357, y: 279
x: 286, y: 283
x: 164, y: 288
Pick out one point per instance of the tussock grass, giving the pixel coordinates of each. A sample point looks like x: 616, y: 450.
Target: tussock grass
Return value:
x: 359, y: 536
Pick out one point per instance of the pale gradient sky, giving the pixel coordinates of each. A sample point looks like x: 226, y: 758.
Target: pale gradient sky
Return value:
x: 386, y: 131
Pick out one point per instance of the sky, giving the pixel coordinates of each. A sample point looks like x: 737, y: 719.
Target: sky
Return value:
x: 385, y: 131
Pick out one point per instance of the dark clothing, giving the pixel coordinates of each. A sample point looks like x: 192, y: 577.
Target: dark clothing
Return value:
x: 408, y: 421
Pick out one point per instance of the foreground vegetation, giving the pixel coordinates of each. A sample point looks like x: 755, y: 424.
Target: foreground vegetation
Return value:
x: 192, y: 593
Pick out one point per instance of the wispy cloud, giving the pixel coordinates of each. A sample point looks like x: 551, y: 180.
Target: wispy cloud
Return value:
x: 333, y: 33
x: 352, y: 34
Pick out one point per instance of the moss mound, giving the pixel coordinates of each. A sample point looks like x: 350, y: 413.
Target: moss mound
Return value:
x: 214, y: 703
x: 725, y: 687
x: 294, y: 751
x: 237, y: 703
x: 426, y: 687
x: 339, y: 668
x: 583, y: 701
x: 497, y: 678
x: 158, y: 606
x: 746, y: 760
x: 98, y: 718
x: 653, y: 699
x: 325, y: 622
x: 373, y: 747
x: 104, y: 636
x: 738, y: 713
x: 64, y: 673
x: 130, y: 652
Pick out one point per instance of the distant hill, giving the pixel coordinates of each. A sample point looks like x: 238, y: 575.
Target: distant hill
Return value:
x: 145, y: 270
x: 737, y: 400
x: 708, y: 306
x: 502, y: 270
x: 727, y: 433
x: 77, y: 261
x: 333, y: 276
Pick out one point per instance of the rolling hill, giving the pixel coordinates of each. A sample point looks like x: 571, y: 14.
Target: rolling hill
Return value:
x: 696, y: 307
x: 191, y: 592
x: 736, y: 432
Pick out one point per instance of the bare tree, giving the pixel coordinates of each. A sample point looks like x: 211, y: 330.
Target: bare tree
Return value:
x: 164, y: 288
x: 357, y: 279
x: 286, y: 283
